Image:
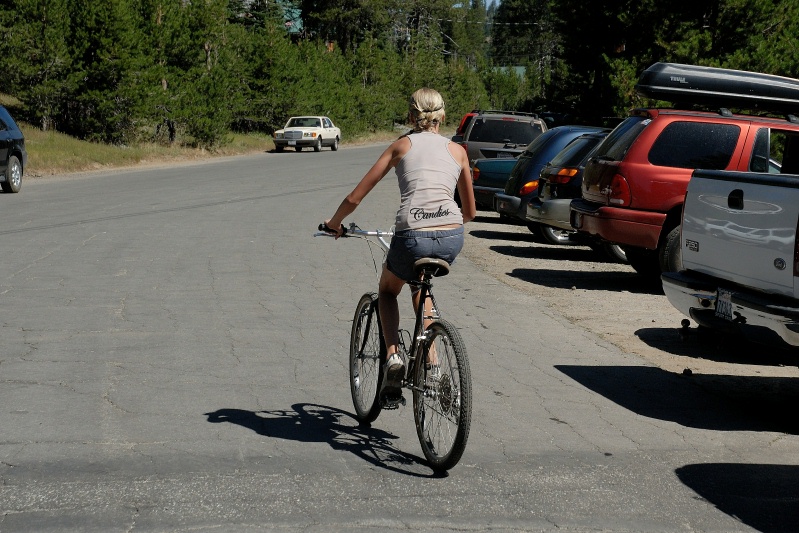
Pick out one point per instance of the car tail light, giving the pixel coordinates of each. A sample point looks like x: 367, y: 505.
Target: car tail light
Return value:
x: 618, y: 192
x: 529, y: 188
x: 475, y: 173
x: 564, y: 175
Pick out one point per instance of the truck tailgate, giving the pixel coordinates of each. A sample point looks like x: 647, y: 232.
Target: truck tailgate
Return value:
x: 742, y: 227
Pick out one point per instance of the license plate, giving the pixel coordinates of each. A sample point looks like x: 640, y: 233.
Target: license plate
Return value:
x: 724, y: 304
x: 292, y: 143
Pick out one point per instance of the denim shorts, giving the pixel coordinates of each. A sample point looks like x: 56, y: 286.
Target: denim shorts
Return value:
x: 408, y: 246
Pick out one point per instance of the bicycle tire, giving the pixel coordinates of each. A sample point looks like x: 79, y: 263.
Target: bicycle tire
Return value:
x: 442, y: 407
x: 367, y: 356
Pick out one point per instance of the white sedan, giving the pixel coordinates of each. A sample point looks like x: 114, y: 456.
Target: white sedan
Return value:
x: 315, y: 132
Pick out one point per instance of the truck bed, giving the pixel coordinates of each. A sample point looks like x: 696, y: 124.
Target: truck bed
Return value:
x: 741, y: 226
x: 739, y: 255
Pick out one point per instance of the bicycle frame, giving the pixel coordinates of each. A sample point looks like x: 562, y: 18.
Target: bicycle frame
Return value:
x: 441, y: 392
x: 423, y: 285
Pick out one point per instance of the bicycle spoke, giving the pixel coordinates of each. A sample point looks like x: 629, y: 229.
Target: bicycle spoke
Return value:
x: 366, y: 350
x: 443, y: 406
x: 439, y: 429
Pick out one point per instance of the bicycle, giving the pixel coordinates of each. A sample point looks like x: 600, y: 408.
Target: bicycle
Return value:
x: 436, y: 365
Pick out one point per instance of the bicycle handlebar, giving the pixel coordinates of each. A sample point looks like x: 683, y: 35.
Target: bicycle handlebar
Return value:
x: 324, y: 228
x: 355, y: 231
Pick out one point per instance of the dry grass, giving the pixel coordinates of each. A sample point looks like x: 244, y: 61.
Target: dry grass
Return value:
x: 51, y: 153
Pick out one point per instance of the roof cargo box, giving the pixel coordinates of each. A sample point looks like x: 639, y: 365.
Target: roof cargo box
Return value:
x: 719, y: 87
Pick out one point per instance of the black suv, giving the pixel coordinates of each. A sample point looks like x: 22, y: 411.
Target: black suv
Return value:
x: 492, y: 134
x: 13, y: 157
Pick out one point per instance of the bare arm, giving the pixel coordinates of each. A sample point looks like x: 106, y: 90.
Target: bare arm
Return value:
x: 384, y: 163
x: 465, y: 189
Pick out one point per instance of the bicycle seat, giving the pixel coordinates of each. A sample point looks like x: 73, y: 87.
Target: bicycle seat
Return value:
x: 436, y: 267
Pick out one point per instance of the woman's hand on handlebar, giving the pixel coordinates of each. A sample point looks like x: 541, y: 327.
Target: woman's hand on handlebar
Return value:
x: 336, y: 232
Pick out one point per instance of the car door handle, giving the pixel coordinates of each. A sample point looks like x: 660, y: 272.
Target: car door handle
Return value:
x: 736, y: 199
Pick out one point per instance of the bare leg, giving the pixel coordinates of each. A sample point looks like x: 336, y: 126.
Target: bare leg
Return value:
x: 389, y: 288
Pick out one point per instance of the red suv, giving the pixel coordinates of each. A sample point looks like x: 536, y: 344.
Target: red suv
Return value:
x: 634, y: 184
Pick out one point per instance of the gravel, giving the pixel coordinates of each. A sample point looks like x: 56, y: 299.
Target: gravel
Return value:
x: 612, y: 301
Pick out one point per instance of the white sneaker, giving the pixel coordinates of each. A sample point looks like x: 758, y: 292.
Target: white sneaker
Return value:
x: 392, y: 380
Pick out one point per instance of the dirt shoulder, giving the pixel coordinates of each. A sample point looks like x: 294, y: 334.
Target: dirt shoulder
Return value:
x: 612, y: 301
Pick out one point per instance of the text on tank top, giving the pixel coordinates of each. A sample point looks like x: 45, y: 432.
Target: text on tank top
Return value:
x: 427, y: 177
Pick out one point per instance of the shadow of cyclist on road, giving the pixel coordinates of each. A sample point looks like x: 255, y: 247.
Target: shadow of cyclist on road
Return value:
x: 318, y: 423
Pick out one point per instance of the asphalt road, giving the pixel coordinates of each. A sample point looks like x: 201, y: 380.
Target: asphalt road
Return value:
x: 174, y: 347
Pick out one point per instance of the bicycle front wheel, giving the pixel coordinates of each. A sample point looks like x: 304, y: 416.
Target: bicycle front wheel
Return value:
x: 367, y: 353
x: 442, y: 397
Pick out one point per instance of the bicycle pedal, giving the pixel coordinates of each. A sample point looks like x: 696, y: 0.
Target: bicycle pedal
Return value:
x: 392, y: 403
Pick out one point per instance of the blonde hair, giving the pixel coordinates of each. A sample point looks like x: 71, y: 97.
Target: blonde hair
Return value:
x: 426, y: 108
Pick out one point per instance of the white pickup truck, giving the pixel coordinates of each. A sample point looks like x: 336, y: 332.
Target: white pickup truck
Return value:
x: 740, y: 254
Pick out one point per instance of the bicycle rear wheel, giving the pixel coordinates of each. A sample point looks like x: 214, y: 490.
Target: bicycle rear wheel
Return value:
x: 442, y: 399
x: 367, y: 353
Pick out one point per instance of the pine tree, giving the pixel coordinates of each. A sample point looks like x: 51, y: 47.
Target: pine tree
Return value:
x: 170, y: 54
x: 34, y: 56
x: 211, y: 91
x: 104, y: 89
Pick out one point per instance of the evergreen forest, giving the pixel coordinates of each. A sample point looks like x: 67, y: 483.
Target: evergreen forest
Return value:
x: 193, y: 71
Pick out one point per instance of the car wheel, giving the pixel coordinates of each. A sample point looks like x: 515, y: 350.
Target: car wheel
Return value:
x: 615, y: 252
x: 13, y: 181
x: 645, y: 262
x: 334, y: 146
x: 317, y: 147
x: 556, y: 235
x: 611, y: 251
x: 669, y: 253
x: 535, y: 229
x: 298, y: 148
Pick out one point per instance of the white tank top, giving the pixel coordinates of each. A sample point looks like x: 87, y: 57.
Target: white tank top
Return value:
x: 427, y: 176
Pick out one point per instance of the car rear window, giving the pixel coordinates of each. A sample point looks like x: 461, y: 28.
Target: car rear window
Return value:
x: 498, y: 131
x: 616, y: 144
x: 464, y: 124
x: 537, y: 145
x: 695, y: 145
x: 575, y: 151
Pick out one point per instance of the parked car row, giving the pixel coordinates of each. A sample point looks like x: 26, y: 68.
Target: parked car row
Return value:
x: 623, y: 190
x: 535, y: 188
x: 634, y: 185
x: 524, y: 180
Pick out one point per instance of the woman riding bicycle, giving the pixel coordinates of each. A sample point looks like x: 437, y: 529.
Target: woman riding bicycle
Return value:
x: 429, y: 222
